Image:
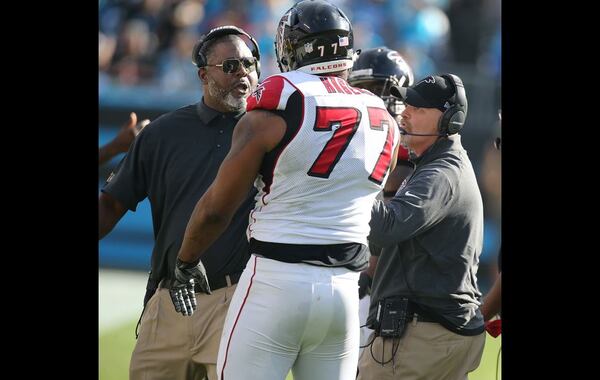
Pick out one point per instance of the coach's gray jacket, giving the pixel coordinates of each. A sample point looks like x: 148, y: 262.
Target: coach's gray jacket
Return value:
x: 432, y: 235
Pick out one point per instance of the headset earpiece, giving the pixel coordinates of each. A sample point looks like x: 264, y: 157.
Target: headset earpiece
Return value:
x: 197, y: 58
x: 454, y: 117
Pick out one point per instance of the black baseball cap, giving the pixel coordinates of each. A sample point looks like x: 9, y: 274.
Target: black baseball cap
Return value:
x: 430, y: 92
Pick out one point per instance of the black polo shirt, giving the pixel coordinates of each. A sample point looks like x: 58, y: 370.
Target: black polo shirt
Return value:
x: 173, y: 161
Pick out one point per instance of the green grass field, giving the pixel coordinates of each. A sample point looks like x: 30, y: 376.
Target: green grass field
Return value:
x: 117, y: 344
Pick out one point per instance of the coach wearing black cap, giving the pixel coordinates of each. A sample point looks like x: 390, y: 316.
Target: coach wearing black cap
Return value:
x: 425, y: 299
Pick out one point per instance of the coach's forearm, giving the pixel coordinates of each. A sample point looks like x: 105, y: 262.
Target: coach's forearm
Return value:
x: 370, y: 271
x: 387, y: 227
x: 492, y: 302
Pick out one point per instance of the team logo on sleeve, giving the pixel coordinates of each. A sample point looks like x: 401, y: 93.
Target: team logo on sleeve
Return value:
x: 258, y: 92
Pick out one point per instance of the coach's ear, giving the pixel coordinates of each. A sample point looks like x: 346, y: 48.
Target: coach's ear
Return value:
x: 202, y: 73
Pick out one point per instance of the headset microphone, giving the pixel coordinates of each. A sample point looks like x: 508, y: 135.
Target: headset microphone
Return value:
x: 405, y: 132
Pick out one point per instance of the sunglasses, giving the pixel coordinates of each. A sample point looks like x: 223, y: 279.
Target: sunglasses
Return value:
x: 232, y: 65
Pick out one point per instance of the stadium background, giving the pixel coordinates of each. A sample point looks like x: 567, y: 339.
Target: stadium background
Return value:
x: 145, y: 66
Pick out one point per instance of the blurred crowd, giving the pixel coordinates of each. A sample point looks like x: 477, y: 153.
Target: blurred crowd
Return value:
x: 149, y: 42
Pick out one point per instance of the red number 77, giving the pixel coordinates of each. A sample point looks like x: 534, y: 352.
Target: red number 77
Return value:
x: 345, y: 121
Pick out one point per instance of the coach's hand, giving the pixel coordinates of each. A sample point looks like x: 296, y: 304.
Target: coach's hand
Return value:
x: 187, y: 275
x: 364, y: 285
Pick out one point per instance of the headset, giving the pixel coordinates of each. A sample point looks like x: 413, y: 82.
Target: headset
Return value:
x: 454, y: 117
x: 200, y: 60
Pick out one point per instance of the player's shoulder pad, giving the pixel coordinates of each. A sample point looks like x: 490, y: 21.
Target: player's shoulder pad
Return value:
x: 272, y: 94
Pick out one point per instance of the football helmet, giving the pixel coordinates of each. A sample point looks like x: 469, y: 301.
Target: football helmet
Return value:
x: 377, y: 70
x: 314, y: 37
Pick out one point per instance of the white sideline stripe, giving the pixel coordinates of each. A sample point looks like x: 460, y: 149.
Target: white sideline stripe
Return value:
x: 120, y: 297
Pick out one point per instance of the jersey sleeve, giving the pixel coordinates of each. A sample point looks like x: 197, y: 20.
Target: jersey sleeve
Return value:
x: 272, y: 94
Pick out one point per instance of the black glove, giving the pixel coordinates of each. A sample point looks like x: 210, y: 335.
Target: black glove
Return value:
x: 182, y: 290
x: 364, y: 285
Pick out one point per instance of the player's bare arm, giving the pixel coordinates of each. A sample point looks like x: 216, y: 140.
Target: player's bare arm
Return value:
x: 257, y: 133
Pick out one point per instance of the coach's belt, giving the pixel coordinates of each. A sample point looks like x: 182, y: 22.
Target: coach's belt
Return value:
x: 215, y: 283
x: 414, y: 310
x: 223, y: 281
x: 420, y: 318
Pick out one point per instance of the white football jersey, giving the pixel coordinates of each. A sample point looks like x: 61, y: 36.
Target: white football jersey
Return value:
x: 318, y: 185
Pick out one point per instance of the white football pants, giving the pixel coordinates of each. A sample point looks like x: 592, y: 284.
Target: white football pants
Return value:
x: 291, y: 316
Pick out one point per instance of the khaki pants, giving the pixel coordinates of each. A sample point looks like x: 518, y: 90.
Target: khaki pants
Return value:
x: 427, y: 351
x: 171, y: 346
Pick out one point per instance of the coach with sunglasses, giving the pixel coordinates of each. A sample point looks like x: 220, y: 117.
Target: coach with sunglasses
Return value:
x: 172, y: 162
